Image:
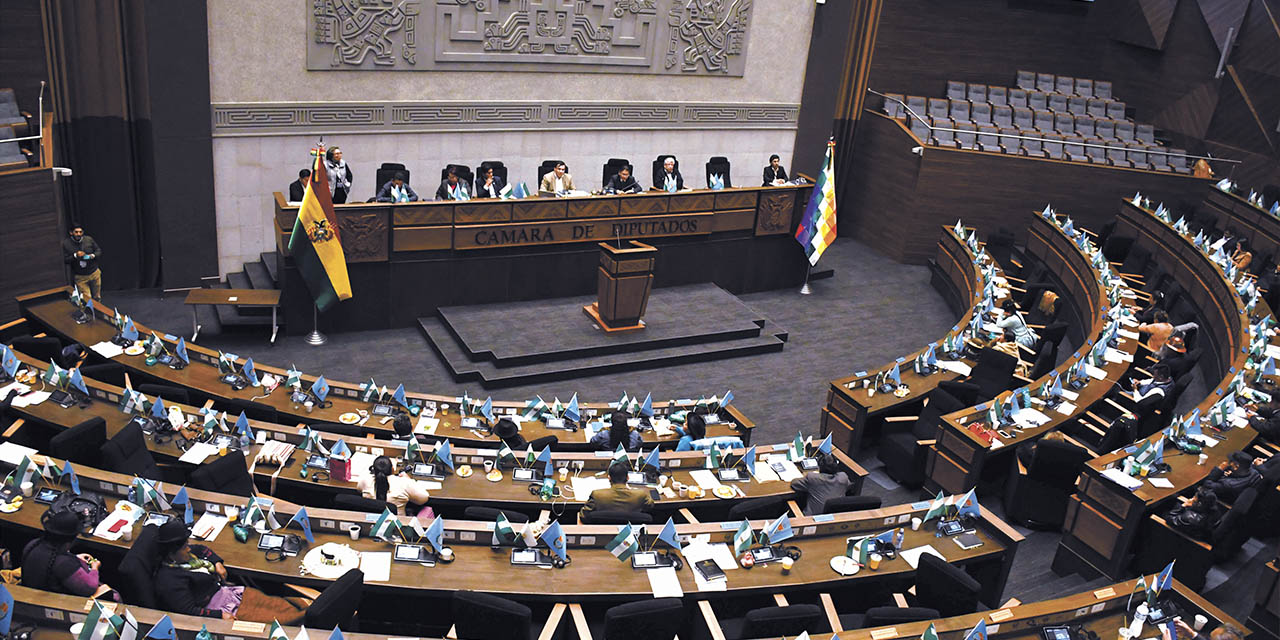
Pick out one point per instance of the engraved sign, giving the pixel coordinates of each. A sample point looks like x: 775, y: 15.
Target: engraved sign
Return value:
x: 677, y: 37
x: 493, y: 236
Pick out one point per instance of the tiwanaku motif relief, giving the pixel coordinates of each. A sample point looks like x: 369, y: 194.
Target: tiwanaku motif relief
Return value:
x: 677, y: 37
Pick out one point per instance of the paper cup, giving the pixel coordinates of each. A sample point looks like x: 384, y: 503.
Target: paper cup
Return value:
x: 684, y: 491
x: 354, y: 531
x: 126, y: 533
x: 787, y: 563
x: 1199, y: 622
x: 309, y: 405
x: 28, y: 488
x: 1204, y: 457
x: 76, y: 629
x: 873, y: 561
x: 488, y: 466
x: 915, y: 524
x: 662, y: 481
x: 564, y: 473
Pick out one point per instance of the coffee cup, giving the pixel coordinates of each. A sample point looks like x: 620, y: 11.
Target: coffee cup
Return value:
x: 873, y: 561
x: 126, y: 532
x: 446, y: 554
x: 662, y: 481
x: 76, y: 629
x: 787, y: 563
x: 354, y: 531
x: 488, y: 466
x: 915, y: 524
x: 684, y: 490
x: 309, y: 405
x: 28, y: 488
x: 1204, y: 457
x: 564, y: 473
x: 1199, y: 622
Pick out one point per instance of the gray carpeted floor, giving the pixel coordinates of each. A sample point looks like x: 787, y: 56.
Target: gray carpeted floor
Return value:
x: 872, y: 311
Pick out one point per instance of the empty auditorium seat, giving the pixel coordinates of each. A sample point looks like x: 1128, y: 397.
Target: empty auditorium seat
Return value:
x: 1084, y: 87
x: 1078, y: 105
x: 1033, y: 147
x: 12, y: 115
x: 1022, y: 119
x: 977, y: 93
x: 1096, y: 108
x: 1063, y: 123
x: 916, y: 104
x: 1124, y: 131
x: 997, y: 96
x: 1044, y: 82
x: 980, y: 113
x: 1065, y: 85
x: 1073, y: 147
x: 955, y: 90
x: 1104, y: 129
x: 1097, y: 155
x: 1102, y: 89
x: 942, y: 134
x: 12, y: 156
x: 920, y: 130
x: 893, y: 106
x: 1137, y: 156
x: 1159, y: 161
x: 1053, y: 146
x: 959, y: 110
x: 1044, y: 121
x: 1084, y: 126
x: 1037, y: 101
x: 1116, y: 157
x: 1115, y: 110
x: 938, y: 107
x: 1017, y: 97
x: 1057, y: 103
x: 1178, y: 161
x: 1026, y: 80
x: 986, y: 140
x: 1002, y: 116
x: 1145, y: 133
x: 967, y: 137
x: 1011, y: 145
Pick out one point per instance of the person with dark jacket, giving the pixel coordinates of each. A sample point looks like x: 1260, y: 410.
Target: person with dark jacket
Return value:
x: 618, y: 497
x: 827, y: 483
x: 48, y: 564
x: 1266, y: 420
x: 81, y: 253
x: 298, y: 188
x: 397, y: 190
x: 507, y: 431
x: 774, y: 174
x: 453, y: 187
x: 1229, y: 479
x: 622, y: 182
x: 617, y: 433
x: 1198, y: 517
x: 192, y: 580
x: 489, y: 185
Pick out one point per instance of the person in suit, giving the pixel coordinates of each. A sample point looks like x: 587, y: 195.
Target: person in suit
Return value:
x: 774, y: 174
x: 819, y: 486
x: 397, y: 190
x: 339, y: 175
x: 298, y: 188
x: 618, y: 497
x: 557, y: 180
x: 488, y: 185
x: 622, y: 182
x: 1265, y: 419
x: 451, y: 188
x: 669, y: 179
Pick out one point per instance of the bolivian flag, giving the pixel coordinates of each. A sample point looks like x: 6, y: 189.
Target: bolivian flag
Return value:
x: 314, y: 242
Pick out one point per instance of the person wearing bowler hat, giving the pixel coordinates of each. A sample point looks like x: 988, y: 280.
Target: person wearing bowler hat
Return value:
x: 191, y: 579
x: 48, y: 564
x: 509, y: 432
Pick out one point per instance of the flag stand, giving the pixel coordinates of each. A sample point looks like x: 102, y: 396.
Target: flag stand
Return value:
x: 805, y: 290
x: 315, y: 338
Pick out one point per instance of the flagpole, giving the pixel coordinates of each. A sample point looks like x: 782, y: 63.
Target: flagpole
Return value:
x: 804, y: 289
x: 315, y: 338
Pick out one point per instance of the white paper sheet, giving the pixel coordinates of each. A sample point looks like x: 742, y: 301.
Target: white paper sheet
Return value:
x: 705, y: 478
x: 1119, y: 477
x: 698, y: 549
x: 665, y: 583
x: 198, y: 453
x: 208, y: 526
x: 11, y: 453
x: 376, y: 565
x: 31, y: 399
x: 764, y: 473
x: 360, y: 463
x: 1116, y: 355
x: 107, y: 349
x: 1066, y: 408
x: 662, y: 428
x: 789, y: 470
x: 1125, y: 333
x: 1095, y: 372
x: 426, y: 425
x: 1070, y: 395
x: 912, y: 556
x: 1030, y: 418
x: 1160, y: 483
x: 955, y: 366
x: 1273, y: 351
x: 584, y: 485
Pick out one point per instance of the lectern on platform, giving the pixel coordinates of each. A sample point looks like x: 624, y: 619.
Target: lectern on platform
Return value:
x: 624, y: 278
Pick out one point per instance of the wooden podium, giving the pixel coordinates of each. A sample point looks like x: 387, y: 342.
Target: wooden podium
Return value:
x: 624, y: 278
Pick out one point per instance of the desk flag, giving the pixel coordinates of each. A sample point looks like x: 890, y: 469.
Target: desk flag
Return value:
x: 9, y: 361
x: 162, y: 630
x: 242, y: 426
x: 1160, y: 582
x: 77, y: 381
x: 369, y: 391
x: 320, y: 388
x: 646, y: 407
x: 435, y: 534
x: 742, y: 538
x: 653, y: 460
x: 623, y: 545
x: 668, y: 534
x: 968, y: 505
x: 502, y: 531
x: 749, y: 460
x: 340, y: 450
x: 779, y: 530
x: 399, y: 396
x: 544, y: 456
x: 505, y: 453
x: 817, y: 228
x: 100, y: 624
x: 385, y: 525
x: 620, y: 456
x: 336, y: 634
x: 251, y: 372
x: 67, y: 470
x: 486, y: 409
x: 303, y: 521
x: 314, y: 242
x: 145, y: 492
x: 572, y: 412
x: 796, y: 450
x: 277, y: 632
x: 444, y: 453
x: 977, y: 633
x: 181, y: 498
x: 936, y: 508
x: 6, y: 610
x: 929, y: 634
x: 412, y: 450
x: 181, y: 351
x: 825, y: 445
x: 554, y: 537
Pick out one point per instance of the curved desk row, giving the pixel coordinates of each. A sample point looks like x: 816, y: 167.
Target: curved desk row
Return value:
x: 1250, y: 221
x: 52, y: 310
x: 451, y: 498
x: 593, y: 574
x: 957, y: 460
x: 850, y: 406
x: 1103, y: 518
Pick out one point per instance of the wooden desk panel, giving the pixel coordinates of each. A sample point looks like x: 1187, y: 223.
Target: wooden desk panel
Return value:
x: 482, y: 211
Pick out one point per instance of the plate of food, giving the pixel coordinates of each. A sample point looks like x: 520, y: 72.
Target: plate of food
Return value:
x: 465, y: 471
x: 725, y: 492
x: 902, y: 391
x: 349, y: 417
x: 844, y: 565
x: 133, y: 350
x: 494, y: 476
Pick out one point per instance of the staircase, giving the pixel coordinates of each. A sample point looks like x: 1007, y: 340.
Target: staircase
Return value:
x: 262, y: 274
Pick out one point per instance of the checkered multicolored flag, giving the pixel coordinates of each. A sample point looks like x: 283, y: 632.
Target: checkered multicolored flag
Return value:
x: 817, y: 228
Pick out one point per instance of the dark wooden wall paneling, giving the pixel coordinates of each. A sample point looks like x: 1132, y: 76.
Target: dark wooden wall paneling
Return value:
x: 30, y: 249
x: 22, y: 51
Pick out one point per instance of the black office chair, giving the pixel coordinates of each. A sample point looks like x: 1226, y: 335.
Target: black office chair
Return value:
x: 616, y: 516
x: 386, y: 172
x: 481, y: 616
x: 1045, y: 359
x: 1000, y: 247
x: 771, y: 622
x: 42, y: 349
x: 658, y: 169
x: 1116, y: 248
x: 1162, y: 543
x: 1037, y: 496
x: 225, y: 474
x: 336, y: 606
x: 108, y: 372
x: 655, y: 619
x: 135, y: 575
x: 1052, y: 333
x: 758, y: 508
x: 851, y: 503
x: 252, y: 410
x: 350, y: 430
x: 946, y: 588
x: 81, y: 444
x: 169, y: 393
x: 464, y: 174
x: 885, y: 616
x: 963, y: 391
x: 126, y: 453
x: 992, y: 373
x: 613, y: 166
x: 489, y: 514
x: 355, y: 502
x: 901, y: 450
x: 546, y: 167
x: 719, y: 165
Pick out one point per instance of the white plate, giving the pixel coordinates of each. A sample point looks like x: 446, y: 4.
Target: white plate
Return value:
x: 844, y: 565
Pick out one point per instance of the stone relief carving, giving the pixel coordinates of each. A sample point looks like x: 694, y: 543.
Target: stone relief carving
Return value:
x: 680, y: 37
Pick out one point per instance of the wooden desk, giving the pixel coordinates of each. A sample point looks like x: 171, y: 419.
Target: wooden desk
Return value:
x: 52, y: 310
x: 238, y: 297
x: 1256, y: 225
x: 594, y: 575
x: 958, y: 459
x: 1104, y: 519
x: 849, y: 407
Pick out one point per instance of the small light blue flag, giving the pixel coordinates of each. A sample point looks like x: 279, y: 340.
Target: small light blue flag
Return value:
x: 6, y: 610
x: 162, y: 630
x: 554, y: 537
x: 303, y: 521
x: 242, y: 426
x: 749, y: 460
x: 668, y: 534
x: 340, y: 450
x: 250, y: 372
x: 444, y: 453
x: 77, y: 381
x: 544, y: 456
x: 825, y: 445
x: 979, y: 632
x: 181, y: 498
x: 130, y: 332
x: 896, y: 374
x: 336, y: 634
x: 779, y: 530
x: 486, y: 409
x: 435, y: 534
x: 572, y: 412
x: 157, y: 408
x: 181, y: 351
x: 399, y: 396
x: 653, y: 460
x: 9, y: 360
x: 646, y: 407
x: 67, y: 470
x: 320, y: 388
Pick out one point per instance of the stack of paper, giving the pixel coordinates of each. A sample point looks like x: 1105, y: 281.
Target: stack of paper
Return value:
x: 1029, y: 418
x: 376, y: 565
x: 955, y: 366
x: 208, y: 526
x: 912, y: 556
x: 1119, y: 477
x: 426, y: 425
x: 584, y: 485
x: 107, y: 349
x: 706, y: 479
x: 665, y: 583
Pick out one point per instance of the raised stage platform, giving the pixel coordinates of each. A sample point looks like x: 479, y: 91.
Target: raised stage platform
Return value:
x: 518, y: 343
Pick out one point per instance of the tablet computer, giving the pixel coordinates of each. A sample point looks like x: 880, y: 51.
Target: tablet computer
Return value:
x: 520, y: 474
x: 427, y: 470
x: 318, y: 461
x: 47, y: 495
x: 270, y: 541
x: 650, y: 560
x: 530, y: 558
x: 415, y: 553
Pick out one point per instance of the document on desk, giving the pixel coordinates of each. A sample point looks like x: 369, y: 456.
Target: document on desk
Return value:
x: 1030, y: 418
x: 584, y: 485
x: 1273, y: 351
x: 107, y: 349
x: 705, y: 478
x: 665, y: 583
x: 198, y: 452
x: 662, y: 428
x: 1160, y: 483
x: 1066, y: 408
x: 786, y: 469
x: 1070, y: 395
x: 1116, y: 355
x: 376, y: 565
x: 360, y: 463
x: 208, y: 526
x: 426, y: 425
x: 955, y: 366
x: 13, y: 454
x: 1121, y: 478
x: 912, y: 556
x: 1125, y: 333
x: 1095, y: 372
x: 30, y: 399
x: 764, y: 473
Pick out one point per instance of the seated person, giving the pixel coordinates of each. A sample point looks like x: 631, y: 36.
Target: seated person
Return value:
x: 1265, y: 419
x: 557, y: 180
x: 617, y: 433
x: 1159, y: 385
x: 1229, y: 479
x: 383, y: 483
x: 1185, y: 631
x: 1147, y: 313
x: 619, y: 497
x: 451, y: 188
x: 507, y: 430
x: 1012, y: 323
x: 622, y: 182
x: 822, y: 485
x: 1242, y: 257
x: 48, y: 564
x: 191, y: 580
x: 489, y: 185
x: 298, y: 188
x: 774, y: 174
x: 670, y: 179
x: 397, y: 190
x: 695, y: 428
x: 1198, y: 517
x: 1026, y: 452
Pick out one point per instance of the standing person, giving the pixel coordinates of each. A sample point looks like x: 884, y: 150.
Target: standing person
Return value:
x: 48, y: 564
x: 339, y: 175
x: 298, y: 188
x: 774, y: 174
x: 82, y: 253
